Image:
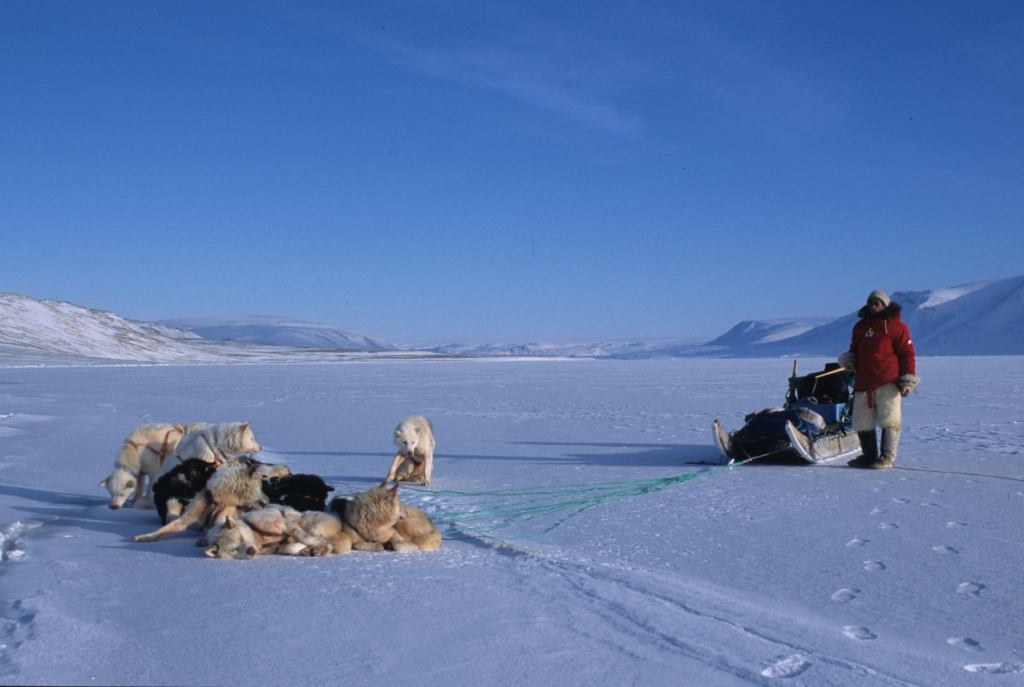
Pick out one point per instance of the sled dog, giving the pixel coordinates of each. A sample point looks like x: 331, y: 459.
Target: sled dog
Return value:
x: 376, y: 520
x: 302, y: 492
x: 231, y: 490
x: 414, y: 437
x: 282, y: 530
x: 217, y: 444
x: 174, y: 489
x: 415, y: 527
x: 141, y: 455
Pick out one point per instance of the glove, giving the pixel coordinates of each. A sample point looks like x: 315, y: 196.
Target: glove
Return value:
x: 907, y: 383
x: 848, y: 359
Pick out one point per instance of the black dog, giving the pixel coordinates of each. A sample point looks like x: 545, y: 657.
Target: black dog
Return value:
x: 181, y: 483
x: 338, y: 506
x: 301, y: 492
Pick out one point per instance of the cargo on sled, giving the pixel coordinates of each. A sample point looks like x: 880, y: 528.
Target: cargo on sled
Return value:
x: 814, y: 424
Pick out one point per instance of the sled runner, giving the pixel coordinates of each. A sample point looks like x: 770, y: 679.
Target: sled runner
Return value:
x: 813, y: 425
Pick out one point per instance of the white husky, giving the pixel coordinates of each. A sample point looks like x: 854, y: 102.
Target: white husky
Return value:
x: 414, y: 437
x: 142, y: 455
x: 216, y: 444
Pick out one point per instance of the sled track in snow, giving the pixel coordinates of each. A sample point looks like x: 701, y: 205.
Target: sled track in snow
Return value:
x: 603, y: 586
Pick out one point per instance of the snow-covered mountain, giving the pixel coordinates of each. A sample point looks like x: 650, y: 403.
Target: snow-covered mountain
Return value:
x: 31, y: 328
x: 756, y: 332
x: 653, y: 348
x: 276, y: 331
x: 980, y: 318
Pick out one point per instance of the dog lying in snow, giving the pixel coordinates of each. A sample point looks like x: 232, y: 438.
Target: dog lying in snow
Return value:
x: 302, y: 492
x: 233, y: 489
x: 279, y: 529
x: 174, y: 489
x: 215, y: 444
x: 141, y: 456
x: 376, y: 520
x: 414, y: 437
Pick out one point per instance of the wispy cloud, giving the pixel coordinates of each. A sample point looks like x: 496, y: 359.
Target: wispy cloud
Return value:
x: 521, y: 75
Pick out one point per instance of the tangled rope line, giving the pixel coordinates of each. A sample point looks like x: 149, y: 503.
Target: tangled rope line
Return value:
x: 537, y: 510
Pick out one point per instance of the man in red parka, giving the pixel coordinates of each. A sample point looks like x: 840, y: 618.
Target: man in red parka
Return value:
x: 882, y: 354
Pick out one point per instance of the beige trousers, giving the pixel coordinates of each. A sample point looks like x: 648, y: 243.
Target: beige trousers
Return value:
x: 886, y: 412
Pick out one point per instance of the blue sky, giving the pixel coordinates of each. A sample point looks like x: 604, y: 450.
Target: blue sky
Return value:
x: 507, y: 171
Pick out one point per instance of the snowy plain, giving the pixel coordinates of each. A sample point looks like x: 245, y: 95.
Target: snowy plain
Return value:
x: 614, y: 573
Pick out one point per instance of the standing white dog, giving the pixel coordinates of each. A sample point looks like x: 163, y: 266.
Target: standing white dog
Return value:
x: 414, y: 438
x: 142, y: 455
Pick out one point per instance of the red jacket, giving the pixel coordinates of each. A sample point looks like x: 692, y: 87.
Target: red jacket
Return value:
x: 883, y: 348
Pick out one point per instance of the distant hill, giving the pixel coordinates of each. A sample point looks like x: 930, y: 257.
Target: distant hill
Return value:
x: 757, y: 332
x: 276, y: 331
x: 981, y: 318
x: 30, y: 328
x: 631, y: 349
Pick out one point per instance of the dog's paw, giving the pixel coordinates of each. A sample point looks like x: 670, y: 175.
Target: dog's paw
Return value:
x: 404, y: 547
x: 369, y: 546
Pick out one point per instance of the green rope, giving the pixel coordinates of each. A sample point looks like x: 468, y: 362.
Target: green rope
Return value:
x: 483, y: 513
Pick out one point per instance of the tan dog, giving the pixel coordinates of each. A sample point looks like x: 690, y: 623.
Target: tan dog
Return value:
x: 414, y: 437
x: 217, y: 444
x: 142, y: 454
x: 282, y: 530
x: 376, y: 520
x: 418, y: 531
x: 231, y: 490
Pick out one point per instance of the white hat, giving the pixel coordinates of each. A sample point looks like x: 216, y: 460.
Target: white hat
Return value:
x: 880, y: 295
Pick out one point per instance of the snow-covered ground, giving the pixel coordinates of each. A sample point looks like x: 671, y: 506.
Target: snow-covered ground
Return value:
x: 613, y: 573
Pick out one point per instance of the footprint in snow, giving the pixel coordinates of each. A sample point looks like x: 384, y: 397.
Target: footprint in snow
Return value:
x: 861, y: 633
x: 965, y: 643
x: 972, y: 589
x: 857, y: 541
x: 994, y: 668
x: 874, y: 566
x: 888, y: 526
x: 877, y: 511
x: 900, y: 500
x: 788, y: 666
x: 952, y: 524
x: 845, y: 594
x: 943, y: 549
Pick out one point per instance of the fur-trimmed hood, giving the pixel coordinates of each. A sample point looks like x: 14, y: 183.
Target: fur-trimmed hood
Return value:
x: 891, y: 312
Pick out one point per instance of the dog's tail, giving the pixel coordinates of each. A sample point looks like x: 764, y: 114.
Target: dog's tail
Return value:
x: 193, y: 514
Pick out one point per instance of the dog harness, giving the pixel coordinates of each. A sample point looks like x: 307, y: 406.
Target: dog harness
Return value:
x: 164, y: 450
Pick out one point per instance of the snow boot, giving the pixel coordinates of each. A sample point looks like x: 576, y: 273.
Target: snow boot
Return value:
x: 890, y: 442
x: 869, y: 450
